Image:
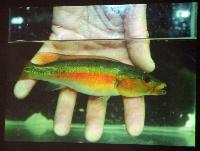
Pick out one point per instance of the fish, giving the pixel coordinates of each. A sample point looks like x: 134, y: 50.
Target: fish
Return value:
x: 96, y: 76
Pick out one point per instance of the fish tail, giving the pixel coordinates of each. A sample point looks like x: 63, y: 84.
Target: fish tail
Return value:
x: 24, y: 76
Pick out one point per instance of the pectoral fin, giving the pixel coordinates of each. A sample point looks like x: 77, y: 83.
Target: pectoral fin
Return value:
x: 125, y: 87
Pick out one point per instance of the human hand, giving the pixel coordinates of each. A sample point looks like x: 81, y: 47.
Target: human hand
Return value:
x: 133, y: 25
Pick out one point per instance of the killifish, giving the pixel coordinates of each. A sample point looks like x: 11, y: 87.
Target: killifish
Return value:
x: 97, y: 76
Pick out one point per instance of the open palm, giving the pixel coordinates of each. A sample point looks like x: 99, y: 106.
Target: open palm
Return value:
x: 93, y: 22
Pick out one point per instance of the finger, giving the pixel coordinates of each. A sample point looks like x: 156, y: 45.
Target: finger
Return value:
x: 95, y: 116
x: 64, y: 111
x: 134, y: 112
x: 139, y: 52
x: 135, y: 25
x: 23, y: 87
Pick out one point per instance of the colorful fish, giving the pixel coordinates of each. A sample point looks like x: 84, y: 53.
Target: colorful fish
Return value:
x: 97, y: 76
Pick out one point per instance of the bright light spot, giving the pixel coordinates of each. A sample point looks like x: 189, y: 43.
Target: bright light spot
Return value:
x: 27, y: 8
x: 191, y: 121
x: 184, y: 24
x: 17, y: 20
x: 182, y: 13
x: 81, y: 110
x: 38, y: 124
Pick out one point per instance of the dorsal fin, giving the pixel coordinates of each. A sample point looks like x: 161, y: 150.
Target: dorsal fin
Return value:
x: 86, y: 57
x: 47, y: 57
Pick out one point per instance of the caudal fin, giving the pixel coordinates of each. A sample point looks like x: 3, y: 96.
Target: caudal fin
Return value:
x: 24, y: 75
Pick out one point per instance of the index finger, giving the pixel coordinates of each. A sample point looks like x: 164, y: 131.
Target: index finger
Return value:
x: 23, y: 86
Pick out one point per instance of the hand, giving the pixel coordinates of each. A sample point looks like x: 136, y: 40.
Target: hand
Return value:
x: 71, y: 23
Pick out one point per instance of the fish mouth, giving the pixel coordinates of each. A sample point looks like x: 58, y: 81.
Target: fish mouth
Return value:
x: 159, y: 89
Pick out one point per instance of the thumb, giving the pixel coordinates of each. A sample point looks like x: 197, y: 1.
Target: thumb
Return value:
x: 139, y: 52
x: 136, y: 33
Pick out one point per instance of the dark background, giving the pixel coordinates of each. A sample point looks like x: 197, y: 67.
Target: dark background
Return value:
x: 175, y: 64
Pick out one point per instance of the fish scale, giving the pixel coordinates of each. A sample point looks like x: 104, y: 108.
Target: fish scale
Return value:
x: 98, y: 77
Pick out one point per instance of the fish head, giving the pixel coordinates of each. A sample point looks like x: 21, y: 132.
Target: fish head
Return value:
x: 148, y: 85
x: 140, y: 86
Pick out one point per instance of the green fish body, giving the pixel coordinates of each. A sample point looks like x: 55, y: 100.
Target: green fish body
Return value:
x: 96, y: 76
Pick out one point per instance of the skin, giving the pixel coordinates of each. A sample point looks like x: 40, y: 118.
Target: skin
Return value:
x: 133, y: 51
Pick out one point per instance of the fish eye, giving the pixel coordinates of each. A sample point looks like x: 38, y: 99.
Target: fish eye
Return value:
x: 147, y: 78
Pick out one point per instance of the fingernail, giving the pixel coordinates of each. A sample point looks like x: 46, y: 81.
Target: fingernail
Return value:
x: 150, y: 66
x: 135, y: 130
x: 93, y: 133
x: 61, y: 130
x: 22, y: 88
